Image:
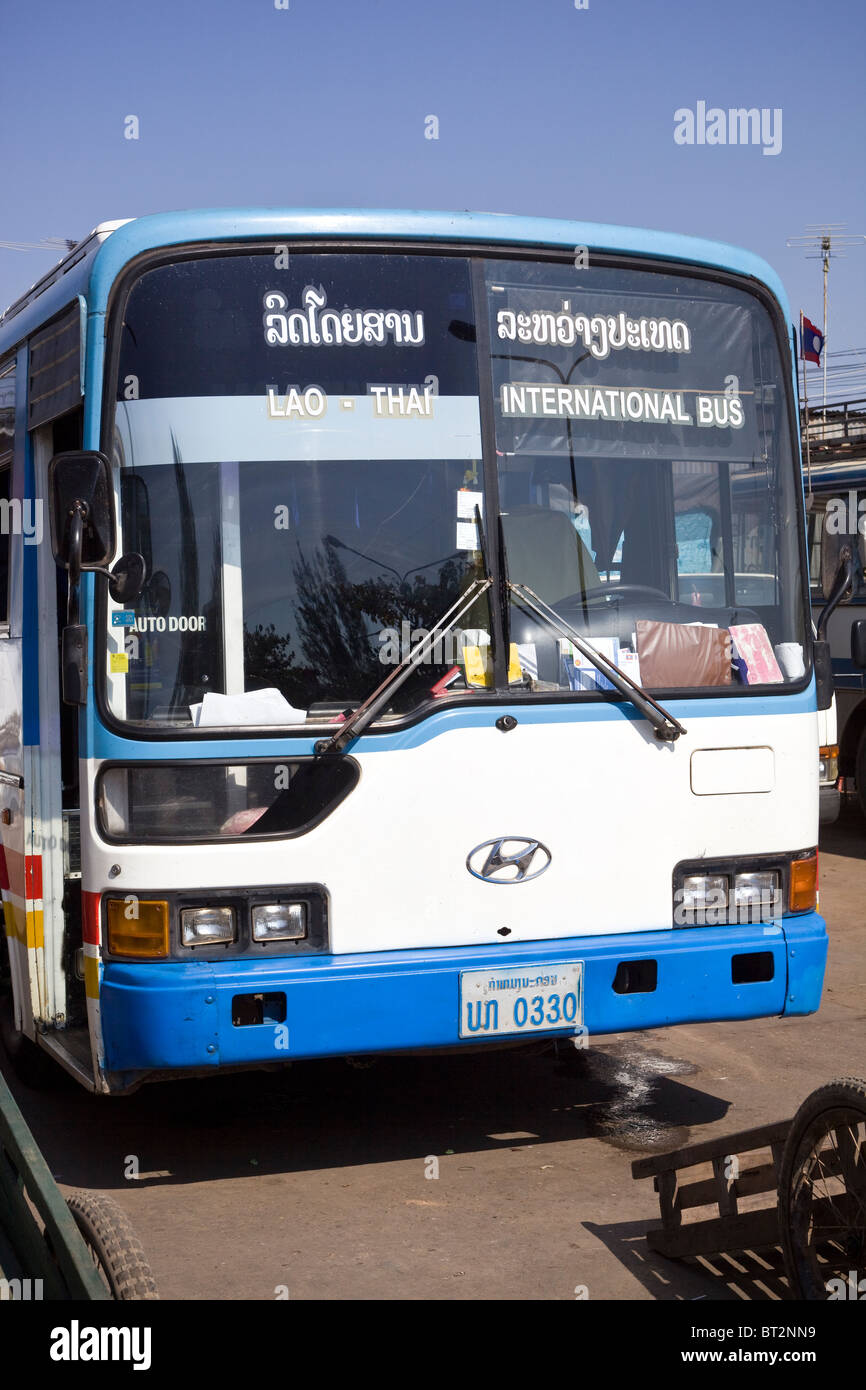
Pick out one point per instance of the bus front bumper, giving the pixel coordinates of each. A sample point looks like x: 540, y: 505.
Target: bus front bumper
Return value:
x: 179, y: 1015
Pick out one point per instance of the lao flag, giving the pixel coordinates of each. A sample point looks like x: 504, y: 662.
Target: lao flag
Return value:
x: 811, y: 342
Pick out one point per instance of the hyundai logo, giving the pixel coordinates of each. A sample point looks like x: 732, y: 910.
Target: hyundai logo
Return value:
x: 510, y: 859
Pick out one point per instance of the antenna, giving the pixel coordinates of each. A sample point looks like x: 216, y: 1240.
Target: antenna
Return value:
x: 822, y: 238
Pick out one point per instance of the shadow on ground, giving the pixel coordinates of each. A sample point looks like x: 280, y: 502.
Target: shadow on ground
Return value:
x: 744, y: 1276
x: 328, y: 1114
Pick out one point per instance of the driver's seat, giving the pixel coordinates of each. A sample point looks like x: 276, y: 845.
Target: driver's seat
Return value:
x: 546, y: 553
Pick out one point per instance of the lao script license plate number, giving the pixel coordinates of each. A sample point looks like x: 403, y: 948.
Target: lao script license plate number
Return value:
x: 499, y: 1003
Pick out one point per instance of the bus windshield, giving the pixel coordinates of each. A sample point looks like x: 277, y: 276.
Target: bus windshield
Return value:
x: 302, y: 463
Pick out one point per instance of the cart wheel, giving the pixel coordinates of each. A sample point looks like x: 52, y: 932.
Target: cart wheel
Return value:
x: 114, y: 1247
x: 822, y: 1189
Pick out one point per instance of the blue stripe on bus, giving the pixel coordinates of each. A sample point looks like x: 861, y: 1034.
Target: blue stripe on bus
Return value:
x: 175, y: 1014
x: 106, y: 744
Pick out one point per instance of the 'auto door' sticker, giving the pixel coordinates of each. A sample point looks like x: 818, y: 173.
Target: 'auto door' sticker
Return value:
x: 182, y: 622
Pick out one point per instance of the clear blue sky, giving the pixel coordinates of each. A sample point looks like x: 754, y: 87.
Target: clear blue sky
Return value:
x: 542, y: 109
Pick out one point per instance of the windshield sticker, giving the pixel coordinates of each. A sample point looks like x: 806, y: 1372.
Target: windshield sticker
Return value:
x: 125, y: 618
x: 467, y: 530
x: 467, y: 501
x: 182, y: 623
x: 314, y: 326
x: 599, y: 333
x: 118, y: 663
x: 529, y: 400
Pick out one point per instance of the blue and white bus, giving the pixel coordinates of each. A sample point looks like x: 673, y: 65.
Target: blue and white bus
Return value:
x: 418, y: 652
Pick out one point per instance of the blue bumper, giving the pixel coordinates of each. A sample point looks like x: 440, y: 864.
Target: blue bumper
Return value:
x: 178, y: 1015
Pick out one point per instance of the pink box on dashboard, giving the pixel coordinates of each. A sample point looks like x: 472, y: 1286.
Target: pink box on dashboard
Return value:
x: 755, y: 648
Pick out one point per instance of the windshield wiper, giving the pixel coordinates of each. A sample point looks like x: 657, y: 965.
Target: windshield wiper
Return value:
x: 359, y: 719
x: 665, y: 726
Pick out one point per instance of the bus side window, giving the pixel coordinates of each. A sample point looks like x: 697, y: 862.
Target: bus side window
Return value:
x: 696, y: 551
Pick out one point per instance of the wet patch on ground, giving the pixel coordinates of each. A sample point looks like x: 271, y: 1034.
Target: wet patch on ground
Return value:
x: 646, y: 1110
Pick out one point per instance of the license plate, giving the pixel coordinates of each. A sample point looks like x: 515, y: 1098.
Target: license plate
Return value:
x: 495, y: 1003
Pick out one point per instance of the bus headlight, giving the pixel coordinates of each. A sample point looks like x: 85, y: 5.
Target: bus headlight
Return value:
x: 280, y: 922
x: 757, y: 896
x: 206, y: 926
x: 732, y: 892
x: 702, y: 891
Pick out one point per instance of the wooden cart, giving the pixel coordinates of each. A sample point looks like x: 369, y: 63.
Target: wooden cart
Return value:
x: 81, y: 1247
x: 797, y: 1183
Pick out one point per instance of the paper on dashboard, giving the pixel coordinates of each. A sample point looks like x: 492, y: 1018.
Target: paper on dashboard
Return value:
x: 251, y: 707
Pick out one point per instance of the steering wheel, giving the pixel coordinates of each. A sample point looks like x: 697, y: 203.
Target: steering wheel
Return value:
x: 641, y: 589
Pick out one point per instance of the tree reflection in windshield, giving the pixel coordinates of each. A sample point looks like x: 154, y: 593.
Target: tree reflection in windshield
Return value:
x: 340, y: 654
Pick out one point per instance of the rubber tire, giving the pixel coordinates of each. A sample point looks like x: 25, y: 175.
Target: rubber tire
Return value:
x: 118, y: 1252
x: 848, y: 1093
x: 860, y: 772
x: 33, y: 1067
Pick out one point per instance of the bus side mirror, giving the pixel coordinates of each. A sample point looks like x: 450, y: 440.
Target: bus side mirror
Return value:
x: 837, y: 550
x: 858, y: 643
x: 84, y: 537
x: 83, y: 534
x: 126, y: 580
x: 838, y: 554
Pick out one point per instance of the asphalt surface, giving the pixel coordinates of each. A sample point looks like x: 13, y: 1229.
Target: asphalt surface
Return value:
x: 312, y: 1182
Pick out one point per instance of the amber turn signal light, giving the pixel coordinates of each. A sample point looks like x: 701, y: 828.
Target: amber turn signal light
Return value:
x: 137, y: 927
x: 803, y: 884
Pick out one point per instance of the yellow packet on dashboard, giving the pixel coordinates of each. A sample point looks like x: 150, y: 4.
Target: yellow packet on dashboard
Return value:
x: 479, y: 665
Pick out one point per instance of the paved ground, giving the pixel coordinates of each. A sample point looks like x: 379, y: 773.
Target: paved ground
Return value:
x: 314, y: 1178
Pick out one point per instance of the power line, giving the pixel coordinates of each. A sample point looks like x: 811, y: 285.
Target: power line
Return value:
x: 50, y: 243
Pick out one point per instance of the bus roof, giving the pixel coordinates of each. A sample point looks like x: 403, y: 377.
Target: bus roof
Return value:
x: 91, y: 267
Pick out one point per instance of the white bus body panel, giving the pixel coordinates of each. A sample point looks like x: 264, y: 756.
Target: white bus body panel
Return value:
x: 614, y: 807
